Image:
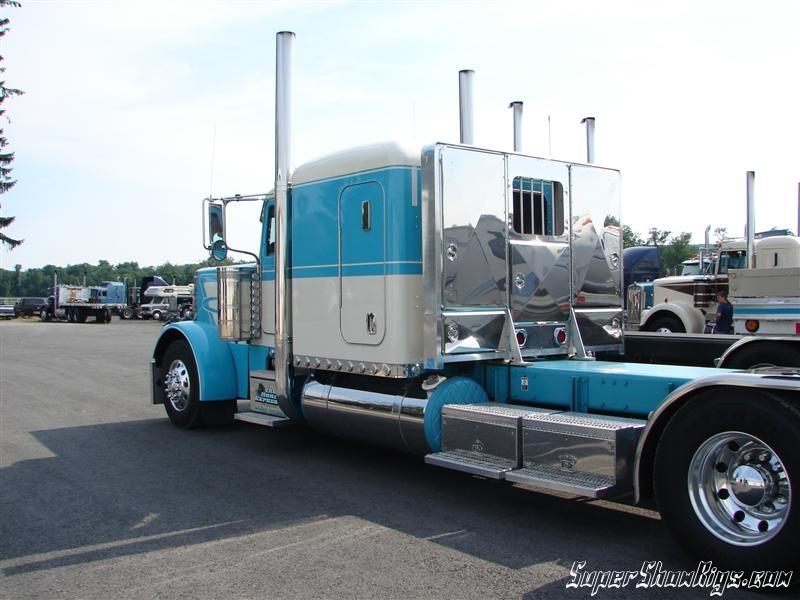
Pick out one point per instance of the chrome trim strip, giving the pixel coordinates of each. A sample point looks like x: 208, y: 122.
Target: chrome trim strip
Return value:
x: 358, y: 367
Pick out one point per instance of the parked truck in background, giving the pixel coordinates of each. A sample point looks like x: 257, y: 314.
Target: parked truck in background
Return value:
x: 766, y: 298
x: 165, y: 300
x: 641, y: 264
x: 451, y: 303
x: 135, y: 296
x: 76, y: 303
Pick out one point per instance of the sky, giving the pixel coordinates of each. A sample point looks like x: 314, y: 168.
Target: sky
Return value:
x: 135, y: 111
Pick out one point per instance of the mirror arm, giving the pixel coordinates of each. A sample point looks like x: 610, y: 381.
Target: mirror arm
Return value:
x: 225, y: 202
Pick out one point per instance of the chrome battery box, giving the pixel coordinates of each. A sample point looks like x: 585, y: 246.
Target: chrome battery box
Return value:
x: 580, y: 445
x: 486, y: 429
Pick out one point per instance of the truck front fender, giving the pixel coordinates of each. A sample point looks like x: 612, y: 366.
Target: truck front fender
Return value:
x: 691, y: 317
x: 215, y: 364
x: 784, y: 382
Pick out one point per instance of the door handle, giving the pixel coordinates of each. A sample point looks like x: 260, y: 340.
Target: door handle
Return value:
x: 372, y: 327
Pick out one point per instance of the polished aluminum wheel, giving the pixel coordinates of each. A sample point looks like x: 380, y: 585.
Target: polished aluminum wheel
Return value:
x: 178, y: 386
x: 739, y: 488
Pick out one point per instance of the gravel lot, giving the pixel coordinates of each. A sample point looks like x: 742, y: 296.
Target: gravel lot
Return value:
x: 101, y: 497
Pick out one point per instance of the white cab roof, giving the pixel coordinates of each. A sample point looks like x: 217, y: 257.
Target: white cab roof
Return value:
x: 356, y: 160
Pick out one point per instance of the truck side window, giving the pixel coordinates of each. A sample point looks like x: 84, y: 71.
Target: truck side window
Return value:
x: 537, y: 207
x: 271, y: 230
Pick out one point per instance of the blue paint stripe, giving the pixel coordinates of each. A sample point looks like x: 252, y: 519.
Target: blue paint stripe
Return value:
x: 394, y: 268
x: 315, y: 272
x: 738, y: 312
x: 407, y: 268
x: 363, y: 270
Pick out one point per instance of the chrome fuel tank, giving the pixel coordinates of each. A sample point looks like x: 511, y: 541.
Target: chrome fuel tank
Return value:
x: 390, y: 420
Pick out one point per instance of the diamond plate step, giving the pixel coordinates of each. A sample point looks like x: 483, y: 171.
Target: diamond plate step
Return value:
x: 581, y: 484
x: 471, y: 462
x: 250, y: 416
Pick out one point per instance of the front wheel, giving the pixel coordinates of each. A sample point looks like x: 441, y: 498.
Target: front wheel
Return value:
x: 180, y: 386
x: 43, y: 315
x: 156, y: 315
x: 666, y: 324
x: 726, y: 475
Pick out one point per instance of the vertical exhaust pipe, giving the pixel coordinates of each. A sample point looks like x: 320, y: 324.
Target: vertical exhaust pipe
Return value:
x: 751, y: 220
x: 284, y: 59
x: 516, y: 106
x: 589, y: 121
x: 466, y: 106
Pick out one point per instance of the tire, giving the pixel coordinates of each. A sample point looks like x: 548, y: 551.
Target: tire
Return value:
x: 156, y: 315
x: 127, y: 313
x: 727, y: 479
x: 43, y: 315
x: 79, y: 315
x: 180, y: 386
x: 70, y: 315
x: 764, y: 354
x: 666, y: 324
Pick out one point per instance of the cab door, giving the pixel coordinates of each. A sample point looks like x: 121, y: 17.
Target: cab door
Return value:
x: 362, y: 263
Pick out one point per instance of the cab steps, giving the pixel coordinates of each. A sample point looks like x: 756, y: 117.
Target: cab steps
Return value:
x: 251, y: 416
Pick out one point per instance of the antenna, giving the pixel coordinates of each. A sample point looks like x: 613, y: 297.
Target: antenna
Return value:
x: 213, y: 151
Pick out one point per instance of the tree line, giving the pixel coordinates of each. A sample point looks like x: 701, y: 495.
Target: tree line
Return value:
x: 672, y: 249
x: 38, y: 282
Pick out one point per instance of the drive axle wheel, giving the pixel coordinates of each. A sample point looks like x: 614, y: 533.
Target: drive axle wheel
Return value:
x: 180, y: 386
x: 726, y: 474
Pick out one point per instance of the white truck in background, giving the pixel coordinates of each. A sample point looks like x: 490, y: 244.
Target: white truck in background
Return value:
x: 167, y: 299
x: 683, y: 303
x: 766, y: 298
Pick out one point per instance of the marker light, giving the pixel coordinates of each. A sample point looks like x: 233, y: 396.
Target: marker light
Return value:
x: 751, y: 325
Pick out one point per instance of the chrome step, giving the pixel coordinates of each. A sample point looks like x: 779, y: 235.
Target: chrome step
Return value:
x: 258, y: 418
x: 586, y: 454
x: 473, y: 463
x: 581, y: 484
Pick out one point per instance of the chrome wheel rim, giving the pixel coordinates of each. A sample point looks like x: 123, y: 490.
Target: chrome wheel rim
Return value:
x: 663, y: 329
x: 739, y: 488
x: 177, y: 385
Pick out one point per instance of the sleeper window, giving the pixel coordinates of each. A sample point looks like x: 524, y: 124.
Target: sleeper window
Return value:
x: 537, y: 207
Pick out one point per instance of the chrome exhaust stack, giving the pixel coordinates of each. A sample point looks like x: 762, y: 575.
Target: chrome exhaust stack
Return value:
x: 589, y: 122
x: 284, y: 59
x: 751, y: 220
x: 516, y: 106
x: 466, y: 106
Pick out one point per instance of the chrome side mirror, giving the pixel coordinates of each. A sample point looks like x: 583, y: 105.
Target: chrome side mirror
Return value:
x: 216, y: 221
x: 219, y: 249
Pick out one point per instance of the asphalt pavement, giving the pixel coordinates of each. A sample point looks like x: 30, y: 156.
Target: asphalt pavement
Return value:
x: 101, y: 497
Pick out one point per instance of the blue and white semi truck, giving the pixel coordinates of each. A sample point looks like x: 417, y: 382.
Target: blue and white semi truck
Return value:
x: 450, y: 303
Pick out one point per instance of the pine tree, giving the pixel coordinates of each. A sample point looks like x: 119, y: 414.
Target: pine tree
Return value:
x: 6, y: 158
